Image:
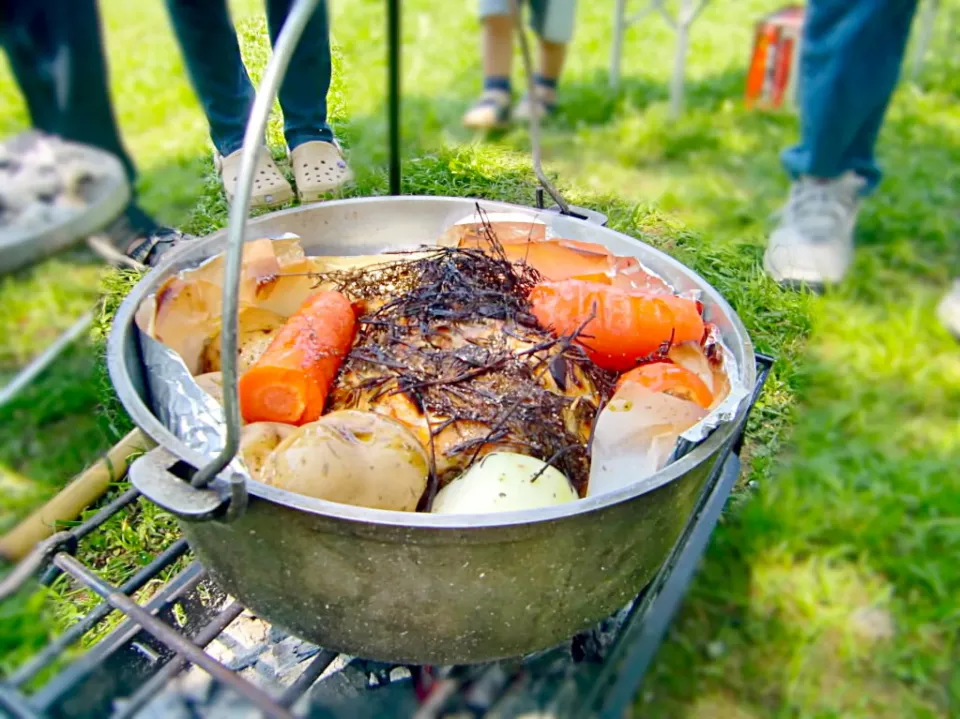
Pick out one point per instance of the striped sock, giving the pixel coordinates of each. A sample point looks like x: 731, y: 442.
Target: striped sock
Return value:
x: 497, y: 83
x: 550, y: 82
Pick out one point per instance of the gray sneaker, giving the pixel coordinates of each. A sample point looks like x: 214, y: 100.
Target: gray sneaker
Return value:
x: 813, y: 243
x: 948, y: 311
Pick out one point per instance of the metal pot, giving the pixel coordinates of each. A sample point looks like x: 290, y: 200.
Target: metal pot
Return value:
x: 420, y: 588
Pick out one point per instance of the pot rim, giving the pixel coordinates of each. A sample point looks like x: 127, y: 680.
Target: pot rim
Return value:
x: 143, y: 417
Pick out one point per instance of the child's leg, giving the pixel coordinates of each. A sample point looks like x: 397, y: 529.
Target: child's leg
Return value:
x: 549, y: 66
x: 492, y: 110
x: 552, y: 20
x: 497, y: 48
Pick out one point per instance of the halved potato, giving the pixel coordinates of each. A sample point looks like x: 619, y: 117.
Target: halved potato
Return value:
x: 256, y: 330
x: 258, y: 440
x: 351, y: 457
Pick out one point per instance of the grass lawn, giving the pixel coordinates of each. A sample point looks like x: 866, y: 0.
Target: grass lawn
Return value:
x: 831, y: 587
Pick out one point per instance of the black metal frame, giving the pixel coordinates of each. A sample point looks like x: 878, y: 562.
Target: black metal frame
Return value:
x: 138, y: 658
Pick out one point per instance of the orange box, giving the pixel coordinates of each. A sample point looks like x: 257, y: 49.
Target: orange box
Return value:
x: 772, y: 76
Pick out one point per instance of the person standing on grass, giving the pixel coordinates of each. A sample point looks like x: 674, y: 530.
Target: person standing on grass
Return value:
x: 55, y: 50
x: 851, y: 55
x: 552, y: 21
x: 209, y: 42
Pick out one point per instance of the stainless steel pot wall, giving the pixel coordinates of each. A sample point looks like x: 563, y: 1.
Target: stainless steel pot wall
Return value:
x: 423, y: 588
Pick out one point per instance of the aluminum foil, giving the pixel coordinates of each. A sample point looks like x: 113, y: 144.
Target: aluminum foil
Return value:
x: 193, y: 416
x: 727, y: 410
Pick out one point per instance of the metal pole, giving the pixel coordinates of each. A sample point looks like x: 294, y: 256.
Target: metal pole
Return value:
x: 45, y: 358
x: 393, y: 92
x: 928, y: 16
x: 535, y: 114
x: 616, y: 55
x: 678, y: 82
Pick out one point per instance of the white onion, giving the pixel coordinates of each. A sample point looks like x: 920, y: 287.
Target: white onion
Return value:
x: 504, y: 482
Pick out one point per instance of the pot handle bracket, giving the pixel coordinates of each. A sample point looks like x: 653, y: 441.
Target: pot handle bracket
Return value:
x: 168, y: 482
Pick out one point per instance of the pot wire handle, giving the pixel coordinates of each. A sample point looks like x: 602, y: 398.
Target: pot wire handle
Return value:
x: 276, y: 70
x: 534, y: 113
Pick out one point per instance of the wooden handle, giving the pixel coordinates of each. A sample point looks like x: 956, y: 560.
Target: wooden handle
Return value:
x: 86, y: 488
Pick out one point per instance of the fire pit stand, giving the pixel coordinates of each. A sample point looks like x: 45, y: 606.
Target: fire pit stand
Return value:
x: 191, y: 651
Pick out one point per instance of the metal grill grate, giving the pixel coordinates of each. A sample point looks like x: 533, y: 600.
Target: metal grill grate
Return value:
x: 191, y: 651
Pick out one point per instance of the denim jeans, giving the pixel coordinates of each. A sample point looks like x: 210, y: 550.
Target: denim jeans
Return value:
x: 56, y: 54
x: 850, y: 62
x: 212, y: 54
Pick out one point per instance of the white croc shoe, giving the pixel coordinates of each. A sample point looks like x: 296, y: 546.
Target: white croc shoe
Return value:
x: 948, y: 311
x: 270, y: 187
x: 319, y: 169
x: 813, y: 243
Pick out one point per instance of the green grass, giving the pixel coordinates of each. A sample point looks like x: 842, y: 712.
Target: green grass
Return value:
x: 831, y: 586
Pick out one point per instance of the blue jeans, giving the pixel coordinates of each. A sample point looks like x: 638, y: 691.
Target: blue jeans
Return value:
x: 56, y: 54
x: 212, y: 53
x: 850, y: 62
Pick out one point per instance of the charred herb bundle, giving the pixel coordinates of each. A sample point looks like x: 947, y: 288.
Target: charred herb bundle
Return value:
x: 448, y: 346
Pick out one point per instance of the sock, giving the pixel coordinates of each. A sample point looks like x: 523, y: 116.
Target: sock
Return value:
x: 550, y: 82
x: 497, y: 83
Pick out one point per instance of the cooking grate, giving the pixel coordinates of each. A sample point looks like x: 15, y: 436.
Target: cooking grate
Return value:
x: 191, y: 651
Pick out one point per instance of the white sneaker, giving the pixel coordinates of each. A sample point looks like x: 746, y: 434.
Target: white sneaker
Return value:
x: 948, y: 311
x: 813, y: 244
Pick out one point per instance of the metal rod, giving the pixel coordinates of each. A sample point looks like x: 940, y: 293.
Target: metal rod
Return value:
x: 171, y: 637
x: 45, y: 358
x: 317, y: 666
x: 535, y: 114
x: 128, y: 497
x: 76, y: 674
x: 16, y: 705
x: 928, y: 17
x: 32, y: 563
x: 616, y: 53
x: 678, y: 80
x: 393, y: 92
x: 91, y: 524
x: 76, y: 631
x: 169, y: 670
x: 283, y: 49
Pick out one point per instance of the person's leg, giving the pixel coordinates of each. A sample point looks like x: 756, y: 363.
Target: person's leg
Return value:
x: 27, y: 37
x: 316, y: 159
x: 56, y: 53
x: 212, y: 54
x: 552, y: 20
x: 850, y: 63
x: 852, y: 51
x: 493, y: 108
x: 303, y: 94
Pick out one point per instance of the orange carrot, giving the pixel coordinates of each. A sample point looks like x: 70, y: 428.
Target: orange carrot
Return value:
x: 626, y: 326
x: 290, y: 382
x: 670, y: 379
